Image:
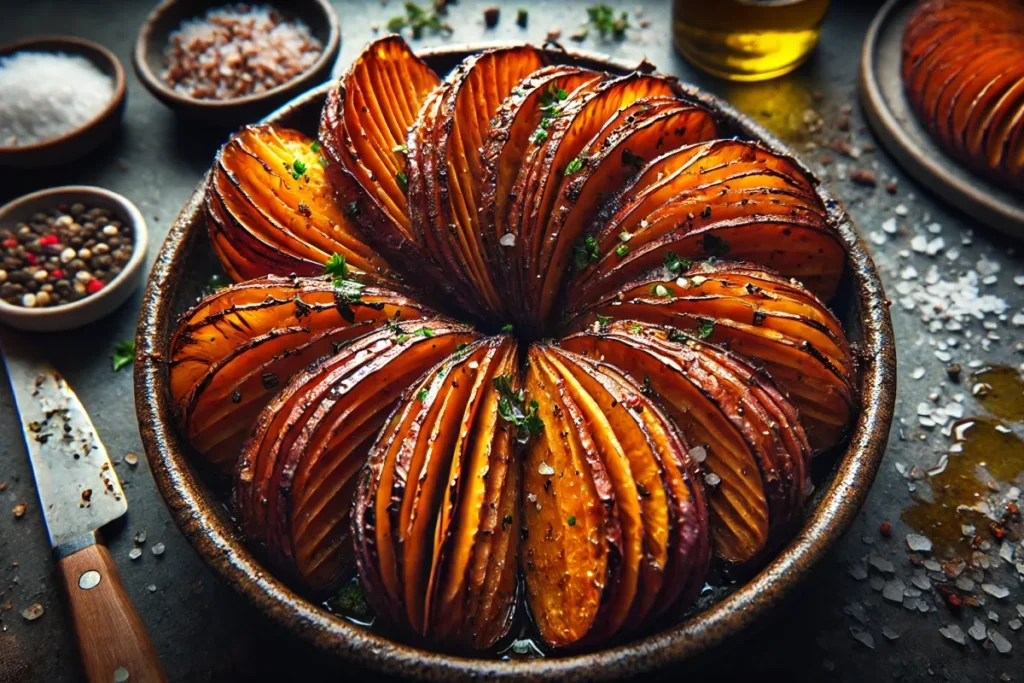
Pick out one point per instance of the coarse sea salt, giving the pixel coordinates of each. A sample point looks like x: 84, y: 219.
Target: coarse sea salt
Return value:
x: 44, y: 95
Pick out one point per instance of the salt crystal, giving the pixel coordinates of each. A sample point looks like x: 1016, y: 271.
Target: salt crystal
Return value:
x: 890, y: 633
x: 919, y: 243
x: 965, y: 584
x: 934, y: 228
x: 893, y: 590
x: 1017, y: 320
x: 1015, y: 624
x: 924, y: 408
x: 1003, y: 646
x: 158, y: 549
x: 712, y: 479
x: 918, y: 373
x: 151, y: 588
x: 944, y: 356
x: 862, y: 636
x: 993, y: 617
x: 1020, y: 610
x: 932, y: 565
x: 889, y: 225
x: 508, y: 240
x: 997, y: 592
x: 878, y: 238
x: 545, y: 470
x: 881, y: 564
x: 985, y: 266
x: 954, y: 633
x: 32, y: 612
x: 1018, y: 280
x: 935, y: 246
x: 901, y: 210
x: 876, y: 582
x: 858, y: 571
x: 977, y: 630
x: 919, y: 543
x: 1006, y: 552
x: 134, y: 553
x: 698, y: 453
x: 921, y: 581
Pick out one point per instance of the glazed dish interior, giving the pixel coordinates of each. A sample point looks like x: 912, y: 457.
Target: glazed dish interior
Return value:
x: 566, y: 362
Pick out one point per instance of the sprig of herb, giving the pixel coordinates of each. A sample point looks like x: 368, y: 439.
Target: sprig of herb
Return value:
x: 585, y: 253
x: 550, y: 107
x: 507, y: 328
x: 347, y: 290
x: 574, y: 166
x: 417, y: 20
x: 124, y: 354
x: 403, y: 182
x: 621, y: 250
x: 675, y: 265
x: 706, y: 329
x: 602, y: 17
x: 299, y: 169
x: 603, y: 321
x: 513, y: 409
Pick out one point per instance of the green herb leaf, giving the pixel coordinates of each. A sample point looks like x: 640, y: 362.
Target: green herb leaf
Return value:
x: 635, y: 329
x: 706, y: 329
x: 572, y: 520
x: 507, y: 328
x: 574, y: 166
x: 423, y: 332
x: 417, y: 20
x: 662, y: 291
x: 585, y: 253
x: 603, y: 18
x: 675, y: 265
x: 400, y: 149
x: 513, y: 409
x: 603, y: 321
x: 675, y: 335
x: 539, y: 136
x: 300, y: 169
x: 403, y: 182
x: 621, y: 250
x: 315, y: 147
x: 423, y: 394
x: 124, y: 354
x: 336, y: 267
x: 323, y: 160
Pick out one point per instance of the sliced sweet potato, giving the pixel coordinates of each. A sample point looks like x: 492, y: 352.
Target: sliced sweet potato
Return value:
x: 431, y: 519
x: 270, y: 208
x: 297, y: 474
x: 762, y: 317
x: 236, y: 347
x: 723, y: 198
x: 752, y: 500
x: 363, y: 131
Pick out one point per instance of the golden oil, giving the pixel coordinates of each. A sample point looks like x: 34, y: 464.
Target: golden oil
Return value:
x: 747, y: 40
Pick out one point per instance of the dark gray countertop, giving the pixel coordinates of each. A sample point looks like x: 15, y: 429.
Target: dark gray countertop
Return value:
x: 203, y: 632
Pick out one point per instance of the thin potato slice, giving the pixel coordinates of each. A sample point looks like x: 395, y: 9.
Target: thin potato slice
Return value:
x: 295, y: 480
x: 762, y: 317
x: 232, y: 351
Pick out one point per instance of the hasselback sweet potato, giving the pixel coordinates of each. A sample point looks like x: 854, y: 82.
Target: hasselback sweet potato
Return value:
x: 759, y: 464
x: 963, y: 71
x: 725, y: 198
x: 271, y: 210
x: 610, y: 446
x: 757, y: 314
x: 435, y: 520
x: 238, y: 346
x: 295, y: 480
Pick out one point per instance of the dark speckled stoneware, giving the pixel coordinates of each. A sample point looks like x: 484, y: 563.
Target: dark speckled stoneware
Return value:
x: 186, y: 261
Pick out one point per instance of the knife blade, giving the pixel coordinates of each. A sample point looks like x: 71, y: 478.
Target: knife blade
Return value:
x: 79, y: 492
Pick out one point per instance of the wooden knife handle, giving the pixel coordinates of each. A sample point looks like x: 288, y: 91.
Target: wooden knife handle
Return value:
x: 112, y: 639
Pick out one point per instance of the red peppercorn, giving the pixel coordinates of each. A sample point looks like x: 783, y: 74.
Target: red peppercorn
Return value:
x: 1012, y: 509
x: 57, y: 273
x: 885, y: 529
x: 10, y: 243
x: 93, y: 286
x: 954, y: 600
x: 976, y: 541
x: 997, y: 530
x: 32, y: 258
x: 48, y: 239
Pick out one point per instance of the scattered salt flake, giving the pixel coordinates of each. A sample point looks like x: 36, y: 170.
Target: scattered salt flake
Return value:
x: 908, y: 273
x: 32, y: 612
x: 965, y: 583
x: 997, y: 592
x: 131, y: 459
x: 986, y: 266
x: 877, y: 238
x: 977, y: 630
x: 1019, y: 280
x: 919, y: 543
x: 881, y: 564
x: 890, y: 633
x: 919, y: 243
x: 712, y: 479
x: 858, y: 571
x: 901, y: 210
x: 893, y: 590
x: 151, y: 588
x: 1015, y: 624
x: 862, y: 636
x: 508, y: 240
x: 1003, y: 646
x: 134, y: 553
x: 924, y: 408
x: 1017, y: 320
x: 158, y: 549
x: 1006, y: 552
x: 876, y: 582
x: 921, y: 581
x: 889, y: 225
x: 954, y: 633
x: 932, y: 565
x: 993, y: 617
x: 140, y: 536
x: 545, y: 470
x: 918, y: 373
x: 698, y: 453
x: 1020, y: 611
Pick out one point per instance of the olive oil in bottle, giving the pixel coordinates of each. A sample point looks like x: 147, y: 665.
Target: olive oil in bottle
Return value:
x: 747, y: 40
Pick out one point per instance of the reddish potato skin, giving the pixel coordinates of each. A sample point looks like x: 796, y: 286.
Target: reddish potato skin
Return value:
x: 963, y: 70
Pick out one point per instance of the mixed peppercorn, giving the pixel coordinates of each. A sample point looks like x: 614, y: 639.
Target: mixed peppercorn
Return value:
x: 63, y: 255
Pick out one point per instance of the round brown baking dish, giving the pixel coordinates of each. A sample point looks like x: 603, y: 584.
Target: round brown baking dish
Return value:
x: 180, y: 272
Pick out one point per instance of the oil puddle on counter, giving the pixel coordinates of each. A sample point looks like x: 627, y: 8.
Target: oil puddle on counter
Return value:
x: 971, y: 496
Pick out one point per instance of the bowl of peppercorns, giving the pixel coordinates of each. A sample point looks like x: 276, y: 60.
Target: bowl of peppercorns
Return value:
x: 68, y: 256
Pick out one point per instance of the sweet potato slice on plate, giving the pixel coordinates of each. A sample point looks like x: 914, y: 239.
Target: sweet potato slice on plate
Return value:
x: 432, y: 520
x: 771, y: 321
x: 723, y: 198
x: 297, y: 475
x: 269, y: 202
x: 236, y: 347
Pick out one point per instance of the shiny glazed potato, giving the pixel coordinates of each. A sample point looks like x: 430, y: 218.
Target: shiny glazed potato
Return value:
x: 963, y: 70
x: 758, y: 315
x: 238, y: 346
x: 295, y: 480
x: 436, y: 519
x: 271, y: 210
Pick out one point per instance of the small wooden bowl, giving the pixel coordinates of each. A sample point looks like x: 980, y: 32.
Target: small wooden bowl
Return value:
x: 80, y: 141
x: 116, y: 292
x: 148, y: 60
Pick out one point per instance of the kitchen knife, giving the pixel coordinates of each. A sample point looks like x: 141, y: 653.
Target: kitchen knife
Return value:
x: 79, y: 492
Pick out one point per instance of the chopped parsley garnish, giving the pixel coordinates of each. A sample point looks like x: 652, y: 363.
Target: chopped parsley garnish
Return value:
x: 323, y: 160
x: 550, y: 107
x: 574, y: 166
x: 423, y: 332
x: 572, y: 520
x: 662, y: 291
x: 603, y: 321
x: 351, y: 601
x: 423, y: 394
x: 635, y: 329
x: 602, y: 17
x: 347, y: 291
x: 315, y: 147
x: 715, y: 245
x: 513, y: 409
x: 625, y: 236
x: 676, y: 265
x: 507, y: 327
x: 403, y: 182
x: 400, y: 149
x: 337, y: 268
x: 677, y: 336
x: 124, y: 354
x: 630, y: 159
x: 417, y: 20
x: 585, y: 253
x: 539, y: 136
x: 299, y: 169
x: 621, y: 250
x: 706, y: 328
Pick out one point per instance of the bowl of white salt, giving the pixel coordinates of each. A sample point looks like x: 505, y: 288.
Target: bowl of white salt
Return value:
x: 60, y: 98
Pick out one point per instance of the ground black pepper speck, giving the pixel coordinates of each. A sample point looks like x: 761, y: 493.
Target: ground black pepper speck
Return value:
x: 62, y: 255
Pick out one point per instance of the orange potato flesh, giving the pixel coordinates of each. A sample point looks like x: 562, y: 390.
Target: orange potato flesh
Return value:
x: 234, y: 349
